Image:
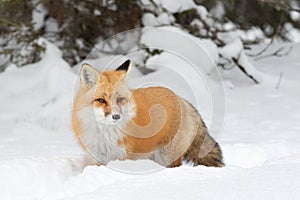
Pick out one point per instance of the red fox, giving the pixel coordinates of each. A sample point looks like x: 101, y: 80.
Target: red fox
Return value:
x: 113, y: 122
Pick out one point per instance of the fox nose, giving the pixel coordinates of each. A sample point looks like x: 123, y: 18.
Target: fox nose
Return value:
x: 116, y: 116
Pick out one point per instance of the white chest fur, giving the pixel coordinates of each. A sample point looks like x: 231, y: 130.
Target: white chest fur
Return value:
x: 101, y: 141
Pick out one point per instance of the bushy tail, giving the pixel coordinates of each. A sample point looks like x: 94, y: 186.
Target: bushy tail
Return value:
x: 204, y: 150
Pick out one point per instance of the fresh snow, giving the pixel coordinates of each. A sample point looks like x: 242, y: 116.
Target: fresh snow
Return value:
x: 40, y: 158
x: 293, y: 34
x: 38, y: 15
x: 150, y: 20
x: 176, y: 6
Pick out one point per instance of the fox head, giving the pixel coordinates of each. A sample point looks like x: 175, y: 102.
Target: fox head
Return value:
x: 108, y: 93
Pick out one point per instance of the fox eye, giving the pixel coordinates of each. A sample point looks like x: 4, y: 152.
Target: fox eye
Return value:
x: 120, y: 99
x: 100, y: 100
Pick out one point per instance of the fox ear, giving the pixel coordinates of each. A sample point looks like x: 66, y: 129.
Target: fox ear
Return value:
x: 88, y: 75
x: 125, y: 66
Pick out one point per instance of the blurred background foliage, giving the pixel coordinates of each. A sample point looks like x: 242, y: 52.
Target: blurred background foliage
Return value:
x: 75, y: 26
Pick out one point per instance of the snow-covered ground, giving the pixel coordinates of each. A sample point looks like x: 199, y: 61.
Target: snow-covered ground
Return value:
x: 40, y: 158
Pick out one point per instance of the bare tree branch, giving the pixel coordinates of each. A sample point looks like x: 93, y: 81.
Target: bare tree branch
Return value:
x: 236, y: 61
x: 279, y: 28
x: 278, y: 53
x: 279, y: 81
